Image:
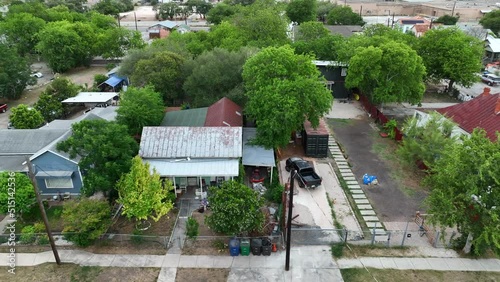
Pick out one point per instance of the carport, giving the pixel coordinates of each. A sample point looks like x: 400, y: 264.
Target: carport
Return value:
x: 254, y: 155
x: 92, y: 99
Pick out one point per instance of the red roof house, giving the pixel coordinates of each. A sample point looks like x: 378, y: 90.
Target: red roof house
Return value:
x: 482, y: 111
x: 224, y: 113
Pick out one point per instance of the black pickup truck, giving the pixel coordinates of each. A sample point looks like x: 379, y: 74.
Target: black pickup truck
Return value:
x: 305, y: 175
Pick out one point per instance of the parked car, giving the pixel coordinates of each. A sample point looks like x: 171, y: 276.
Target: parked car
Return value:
x: 490, y: 79
x: 3, y: 108
x: 37, y: 75
x: 306, y: 176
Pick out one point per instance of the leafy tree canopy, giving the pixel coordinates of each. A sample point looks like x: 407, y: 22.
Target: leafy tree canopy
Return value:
x: 23, y: 117
x: 220, y: 12
x: 300, y: 11
x: 447, y: 20
x: 391, y: 72
x: 50, y: 102
x: 235, y: 209
x: 283, y: 89
x: 449, y: 53
x: 343, y: 15
x: 491, y: 21
x: 314, y: 38
x: 143, y: 194
x: 14, y: 73
x: 106, y: 150
x: 20, y: 30
x: 324, y: 7
x: 163, y: 71
x: 113, y: 7
x: 140, y: 107
x: 465, y: 190
x: 168, y: 10
x: 22, y: 193
x: 203, y: 87
x: 85, y: 220
x: 425, y: 140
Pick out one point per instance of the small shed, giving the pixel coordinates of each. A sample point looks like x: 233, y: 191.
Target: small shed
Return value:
x: 315, y: 140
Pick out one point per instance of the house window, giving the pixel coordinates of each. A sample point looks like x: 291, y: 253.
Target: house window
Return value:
x: 59, y: 182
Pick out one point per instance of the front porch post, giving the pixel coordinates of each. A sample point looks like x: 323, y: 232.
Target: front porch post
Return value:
x: 175, y: 186
x: 271, y: 181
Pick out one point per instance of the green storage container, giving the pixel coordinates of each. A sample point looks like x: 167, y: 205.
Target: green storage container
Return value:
x: 245, y: 247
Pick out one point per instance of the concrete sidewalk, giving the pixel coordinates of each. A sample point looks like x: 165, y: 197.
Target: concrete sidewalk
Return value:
x: 306, y: 263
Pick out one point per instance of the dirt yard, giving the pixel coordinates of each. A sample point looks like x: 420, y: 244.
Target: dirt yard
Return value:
x: 391, y: 275
x: 71, y: 272
x: 399, y: 194
x: 201, y: 274
x: 211, y: 246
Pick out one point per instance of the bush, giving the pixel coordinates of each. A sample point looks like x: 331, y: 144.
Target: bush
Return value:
x: 390, y: 127
x: 337, y: 250
x: 137, y: 237
x: 275, y: 193
x: 192, y: 228
x: 39, y: 227
x: 28, y: 235
x: 43, y: 240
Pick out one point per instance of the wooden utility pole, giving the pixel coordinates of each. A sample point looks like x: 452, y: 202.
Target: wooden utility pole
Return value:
x: 42, y: 211
x: 289, y: 220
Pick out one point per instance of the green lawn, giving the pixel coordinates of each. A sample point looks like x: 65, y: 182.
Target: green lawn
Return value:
x: 391, y: 275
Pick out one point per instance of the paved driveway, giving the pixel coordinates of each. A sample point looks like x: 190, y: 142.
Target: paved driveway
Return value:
x: 357, y: 137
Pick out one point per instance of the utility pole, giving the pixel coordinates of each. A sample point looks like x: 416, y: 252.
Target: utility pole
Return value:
x: 135, y: 19
x: 289, y: 220
x: 42, y: 211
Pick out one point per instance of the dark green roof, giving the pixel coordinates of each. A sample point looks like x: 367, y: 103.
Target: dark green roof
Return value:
x: 191, y: 117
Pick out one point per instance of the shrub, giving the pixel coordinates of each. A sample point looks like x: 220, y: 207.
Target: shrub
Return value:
x: 275, y: 193
x: 192, y: 228
x: 28, y: 235
x: 137, y: 237
x: 43, y: 240
x: 337, y: 250
x: 390, y: 127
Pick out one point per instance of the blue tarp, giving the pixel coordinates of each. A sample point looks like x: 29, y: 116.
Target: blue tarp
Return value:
x: 114, y: 81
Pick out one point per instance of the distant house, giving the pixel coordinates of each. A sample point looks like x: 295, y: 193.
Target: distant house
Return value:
x: 480, y: 112
x: 55, y: 172
x: 344, y: 30
x: 406, y: 24
x: 492, y: 48
x: 420, y: 29
x: 164, y: 28
x: 114, y: 83
x: 222, y: 113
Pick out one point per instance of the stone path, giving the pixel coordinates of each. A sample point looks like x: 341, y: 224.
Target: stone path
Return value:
x: 362, y: 203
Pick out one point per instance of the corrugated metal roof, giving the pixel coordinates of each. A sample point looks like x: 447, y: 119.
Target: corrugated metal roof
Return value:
x: 493, y: 44
x: 91, y: 97
x: 254, y: 155
x: 224, y: 113
x: 193, y: 142
x: 13, y: 163
x: 196, y: 167
x: 191, y: 117
x: 478, y: 112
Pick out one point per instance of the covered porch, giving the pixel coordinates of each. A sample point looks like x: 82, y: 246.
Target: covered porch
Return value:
x: 192, y: 177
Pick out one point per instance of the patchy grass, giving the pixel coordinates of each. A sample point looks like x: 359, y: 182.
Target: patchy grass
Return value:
x: 72, y: 272
x: 391, y: 275
x: 352, y: 251
x: 202, y: 274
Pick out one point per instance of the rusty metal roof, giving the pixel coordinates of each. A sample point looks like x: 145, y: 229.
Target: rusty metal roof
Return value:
x: 191, y: 142
x: 224, y: 113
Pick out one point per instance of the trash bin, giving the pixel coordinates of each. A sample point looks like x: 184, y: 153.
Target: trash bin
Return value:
x: 266, y: 247
x: 245, y: 247
x: 256, y: 246
x: 234, y: 247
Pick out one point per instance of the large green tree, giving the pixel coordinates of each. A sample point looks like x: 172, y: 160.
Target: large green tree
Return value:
x: 220, y: 12
x: 17, y: 194
x: 168, y: 10
x: 300, y: 11
x: 447, y: 20
x: 14, y: 73
x: 465, y: 191
x: 20, y: 30
x: 425, y: 139
x: 343, y: 15
x: 314, y: 38
x: 390, y: 72
x: 50, y: 102
x: 140, y: 107
x: 23, y: 117
x: 236, y: 209
x: 142, y: 193
x: 224, y: 79
x: 449, y: 53
x: 324, y: 7
x: 164, y: 72
x: 283, y: 89
x: 106, y: 150
x: 491, y: 21
x: 85, y: 220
